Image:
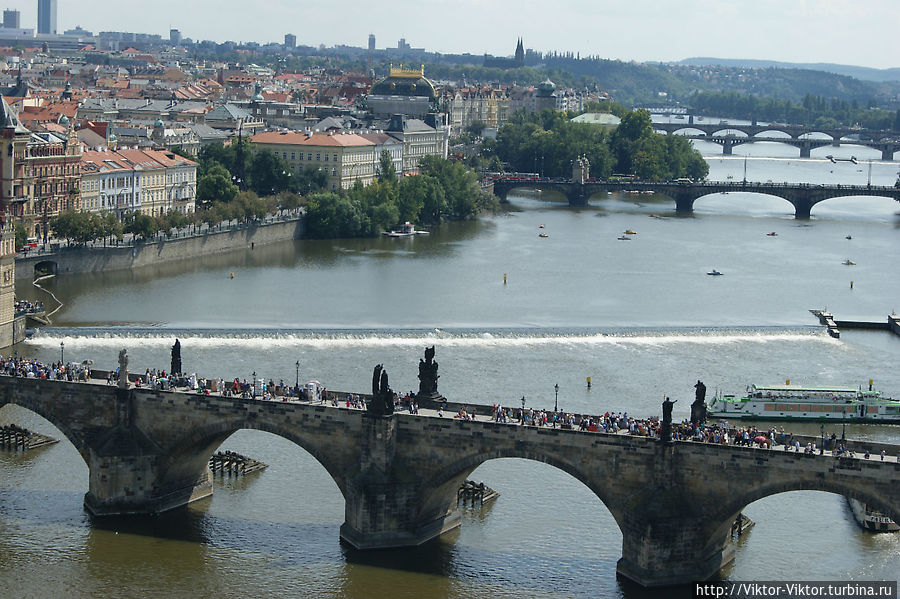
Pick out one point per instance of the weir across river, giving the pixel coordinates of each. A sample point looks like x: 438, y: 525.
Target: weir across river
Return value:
x: 148, y: 451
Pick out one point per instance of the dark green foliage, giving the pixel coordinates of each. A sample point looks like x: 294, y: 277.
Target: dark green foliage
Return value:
x: 444, y: 188
x: 21, y: 236
x: 548, y: 142
x: 811, y: 110
x: 82, y: 227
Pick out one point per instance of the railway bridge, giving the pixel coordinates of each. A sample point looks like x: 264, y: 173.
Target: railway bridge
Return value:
x: 148, y: 450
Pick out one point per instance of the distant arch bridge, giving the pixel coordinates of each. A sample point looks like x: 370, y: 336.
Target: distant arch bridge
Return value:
x: 803, y: 196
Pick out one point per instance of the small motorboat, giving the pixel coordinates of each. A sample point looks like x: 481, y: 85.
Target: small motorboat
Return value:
x: 630, y: 232
x: 623, y: 238
x: 654, y: 216
x: 714, y: 273
x: 848, y: 262
x: 772, y: 234
x: 542, y: 234
x: 848, y: 237
x: 540, y: 226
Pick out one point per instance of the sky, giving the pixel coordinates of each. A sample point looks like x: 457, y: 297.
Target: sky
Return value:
x: 853, y: 32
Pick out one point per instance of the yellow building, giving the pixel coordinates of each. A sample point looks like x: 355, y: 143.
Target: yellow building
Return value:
x: 345, y: 157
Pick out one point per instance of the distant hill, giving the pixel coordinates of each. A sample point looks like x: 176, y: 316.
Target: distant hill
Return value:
x: 861, y: 73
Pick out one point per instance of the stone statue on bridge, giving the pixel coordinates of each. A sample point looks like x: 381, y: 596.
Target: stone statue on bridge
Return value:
x: 176, y: 358
x: 382, y: 402
x: 665, y: 431
x: 698, y: 408
x: 123, y: 369
x: 428, y: 376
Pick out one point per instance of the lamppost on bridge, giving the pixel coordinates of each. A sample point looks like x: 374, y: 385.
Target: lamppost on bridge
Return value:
x: 822, y: 430
x: 843, y: 424
x: 62, y: 355
x: 523, y: 409
x: 297, y: 384
x: 253, y: 393
x: 556, y: 401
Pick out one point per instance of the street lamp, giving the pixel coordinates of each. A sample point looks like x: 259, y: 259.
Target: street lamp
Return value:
x: 843, y: 423
x: 523, y: 409
x: 556, y: 401
x: 822, y: 430
x: 62, y: 355
x: 254, y: 385
x: 297, y: 385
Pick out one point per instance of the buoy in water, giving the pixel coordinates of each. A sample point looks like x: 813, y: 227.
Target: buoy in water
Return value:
x: 504, y: 278
x: 589, y: 382
x: 232, y: 275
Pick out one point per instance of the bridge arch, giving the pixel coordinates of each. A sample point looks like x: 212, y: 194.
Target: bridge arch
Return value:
x: 767, y: 132
x: 440, y: 490
x: 46, y: 266
x: 189, y: 457
x: 728, y: 510
x: 754, y: 200
x: 58, y: 418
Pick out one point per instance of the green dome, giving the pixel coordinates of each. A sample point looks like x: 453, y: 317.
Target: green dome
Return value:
x: 403, y: 82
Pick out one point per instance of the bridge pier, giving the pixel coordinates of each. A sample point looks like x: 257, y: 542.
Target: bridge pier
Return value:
x: 665, y: 551
x: 129, y: 473
x: 383, y: 507
x: 887, y: 151
x: 805, y: 150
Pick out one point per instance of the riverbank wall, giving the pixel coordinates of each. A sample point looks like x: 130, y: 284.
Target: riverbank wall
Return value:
x: 79, y: 260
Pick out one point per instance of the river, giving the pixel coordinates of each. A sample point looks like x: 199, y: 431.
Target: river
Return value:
x: 511, y: 315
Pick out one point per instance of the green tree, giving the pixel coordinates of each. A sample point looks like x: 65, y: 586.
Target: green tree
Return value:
x: 215, y: 186
x: 141, y: 225
x: 310, y: 180
x: 386, y: 170
x: 268, y: 174
x: 21, y: 236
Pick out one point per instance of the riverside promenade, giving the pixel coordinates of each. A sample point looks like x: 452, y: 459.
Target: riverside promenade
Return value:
x: 61, y: 259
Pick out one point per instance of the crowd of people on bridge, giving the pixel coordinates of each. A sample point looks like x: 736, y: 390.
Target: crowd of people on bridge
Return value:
x: 621, y: 423
x: 35, y: 369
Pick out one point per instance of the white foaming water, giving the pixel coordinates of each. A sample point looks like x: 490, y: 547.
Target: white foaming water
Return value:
x: 48, y: 340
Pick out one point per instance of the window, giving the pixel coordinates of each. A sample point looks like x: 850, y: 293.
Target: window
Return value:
x: 326, y: 157
x: 309, y: 156
x: 335, y: 157
x: 301, y: 155
x: 293, y: 156
x: 334, y: 172
x: 318, y: 157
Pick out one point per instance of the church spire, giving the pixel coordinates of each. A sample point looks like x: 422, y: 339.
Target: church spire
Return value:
x: 520, y: 54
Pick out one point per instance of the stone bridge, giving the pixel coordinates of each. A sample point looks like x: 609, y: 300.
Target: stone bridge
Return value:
x: 794, y: 131
x: 803, y: 196
x: 147, y: 452
x: 806, y: 145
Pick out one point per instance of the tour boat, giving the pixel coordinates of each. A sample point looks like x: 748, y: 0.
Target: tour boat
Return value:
x: 795, y: 402
x: 772, y: 234
x: 623, y: 238
x: 871, y: 519
x: 630, y: 232
x: 848, y: 262
x: 407, y: 229
x: 542, y: 234
x: 714, y: 273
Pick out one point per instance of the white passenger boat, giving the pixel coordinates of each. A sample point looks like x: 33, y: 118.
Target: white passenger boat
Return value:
x: 407, y: 229
x: 871, y: 519
x: 795, y: 402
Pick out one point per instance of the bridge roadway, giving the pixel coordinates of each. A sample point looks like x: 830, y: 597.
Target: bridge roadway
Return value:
x: 148, y: 451
x: 803, y: 196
